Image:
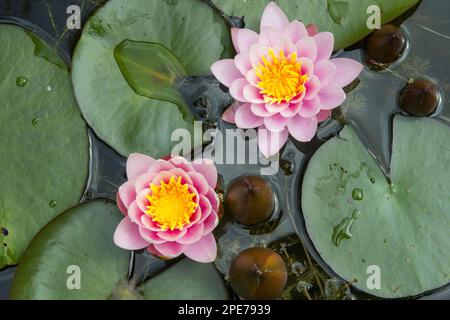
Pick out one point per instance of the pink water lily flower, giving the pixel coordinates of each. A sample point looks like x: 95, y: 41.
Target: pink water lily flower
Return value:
x: 170, y: 208
x: 283, y: 79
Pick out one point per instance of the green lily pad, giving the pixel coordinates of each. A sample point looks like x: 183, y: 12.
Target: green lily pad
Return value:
x: 81, y: 238
x: 74, y: 245
x: 125, y: 120
x: 346, y: 19
x: 44, y: 151
x: 360, y: 221
x: 187, y: 280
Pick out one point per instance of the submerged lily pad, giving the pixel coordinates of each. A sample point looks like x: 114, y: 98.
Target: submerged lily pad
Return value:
x: 346, y: 19
x: 44, y: 150
x: 73, y: 245
x: 125, y: 120
x: 401, y: 225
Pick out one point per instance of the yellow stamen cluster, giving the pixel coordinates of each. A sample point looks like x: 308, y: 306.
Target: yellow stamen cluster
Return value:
x: 171, y: 204
x: 280, y: 77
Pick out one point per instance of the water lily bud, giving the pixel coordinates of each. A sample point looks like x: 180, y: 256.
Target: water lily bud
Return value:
x: 386, y: 44
x: 258, y: 274
x: 420, y: 98
x: 250, y: 200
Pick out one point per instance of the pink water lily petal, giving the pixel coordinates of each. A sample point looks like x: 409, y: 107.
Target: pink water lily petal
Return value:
x: 148, y: 223
x: 143, y: 181
x: 204, y: 250
x: 172, y: 235
x: 192, y: 235
x: 256, y: 52
x: 234, y: 39
x: 243, y: 39
x: 134, y: 213
x: 275, y: 108
x: 246, y: 119
x: 181, y: 163
x: 207, y: 168
x: 205, y: 207
x: 230, y: 113
x: 120, y: 204
x: 150, y: 236
x: 210, y: 223
x: 141, y: 199
x: 274, y: 17
x: 269, y: 36
x: 127, y: 236
x: 252, y: 94
x: 302, y: 129
x: 237, y: 89
x: 331, y: 97
x: 313, y: 87
x: 307, y: 66
x: 242, y: 62
x: 127, y: 193
x: 170, y: 249
x: 160, y: 165
x: 252, y: 78
x: 292, y: 110
x: 260, y: 110
x: 275, y: 123
x: 325, y: 70
x: 307, y: 48
x: 325, y: 45
x: 213, y: 199
x: 310, y: 108
x: 295, y: 31
x: 312, y: 30
x: 195, y: 218
x: 271, y: 142
x: 137, y: 164
x: 225, y: 71
x: 347, y: 70
x: 199, y: 182
x: 323, y: 115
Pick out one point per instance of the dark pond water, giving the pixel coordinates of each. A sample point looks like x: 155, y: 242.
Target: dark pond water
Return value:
x: 369, y: 109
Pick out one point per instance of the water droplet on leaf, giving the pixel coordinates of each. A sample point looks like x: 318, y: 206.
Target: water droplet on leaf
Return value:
x: 357, y: 194
x: 52, y: 204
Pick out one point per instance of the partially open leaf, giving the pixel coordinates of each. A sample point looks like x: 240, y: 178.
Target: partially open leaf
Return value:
x: 362, y: 223
x: 151, y: 70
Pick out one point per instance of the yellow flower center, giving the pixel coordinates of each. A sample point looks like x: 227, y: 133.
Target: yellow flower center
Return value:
x: 280, y: 77
x: 171, y: 204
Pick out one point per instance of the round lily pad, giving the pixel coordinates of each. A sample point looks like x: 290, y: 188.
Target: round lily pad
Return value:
x: 44, y: 150
x: 387, y: 236
x: 346, y: 19
x: 127, y: 121
x: 74, y: 257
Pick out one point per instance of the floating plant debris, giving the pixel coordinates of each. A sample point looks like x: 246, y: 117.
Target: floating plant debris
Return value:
x: 250, y: 200
x: 420, y: 98
x: 21, y: 81
x: 386, y: 44
x: 258, y: 274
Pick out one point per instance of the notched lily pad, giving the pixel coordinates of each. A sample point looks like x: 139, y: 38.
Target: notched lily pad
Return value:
x: 44, y: 151
x: 401, y: 225
x: 346, y: 19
